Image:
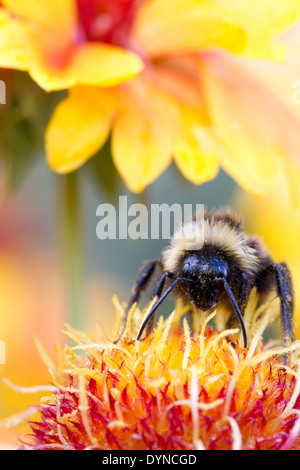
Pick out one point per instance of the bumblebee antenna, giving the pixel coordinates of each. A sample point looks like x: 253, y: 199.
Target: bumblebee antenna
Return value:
x: 161, y: 299
x: 236, y: 308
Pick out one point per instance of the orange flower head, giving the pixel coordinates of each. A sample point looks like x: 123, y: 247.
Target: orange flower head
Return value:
x: 176, y: 390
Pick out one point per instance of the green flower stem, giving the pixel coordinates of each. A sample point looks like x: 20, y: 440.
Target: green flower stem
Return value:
x: 72, y: 244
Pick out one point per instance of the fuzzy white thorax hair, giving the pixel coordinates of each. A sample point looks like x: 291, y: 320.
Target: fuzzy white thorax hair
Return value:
x: 195, y: 234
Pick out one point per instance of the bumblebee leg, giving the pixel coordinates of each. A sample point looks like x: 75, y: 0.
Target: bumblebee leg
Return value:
x: 244, y: 292
x: 161, y: 298
x: 156, y: 294
x: 139, y: 285
x: 161, y: 283
x: 285, y: 293
x: 242, y: 299
x: 236, y: 309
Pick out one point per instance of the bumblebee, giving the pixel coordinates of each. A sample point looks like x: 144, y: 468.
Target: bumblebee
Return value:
x: 223, y: 265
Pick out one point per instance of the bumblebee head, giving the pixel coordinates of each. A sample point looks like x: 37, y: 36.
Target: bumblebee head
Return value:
x: 204, y: 267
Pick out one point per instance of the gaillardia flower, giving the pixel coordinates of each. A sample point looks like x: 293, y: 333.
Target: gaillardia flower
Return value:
x: 175, y: 390
x: 167, y: 78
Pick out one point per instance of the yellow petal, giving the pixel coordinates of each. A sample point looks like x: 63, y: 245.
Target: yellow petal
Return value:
x: 168, y: 26
x: 263, y: 22
x: 90, y: 64
x: 194, y: 148
x: 279, y: 79
x: 14, y: 51
x: 58, y: 16
x: 47, y: 32
x: 79, y: 127
x: 195, y: 151
x: 255, y: 128
x: 143, y: 135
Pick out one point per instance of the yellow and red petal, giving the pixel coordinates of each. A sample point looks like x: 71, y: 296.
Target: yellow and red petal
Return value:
x: 194, y: 149
x: 50, y: 26
x: 79, y: 127
x: 253, y: 125
x: 143, y: 134
x: 89, y: 64
x: 43, y: 42
x: 183, y: 26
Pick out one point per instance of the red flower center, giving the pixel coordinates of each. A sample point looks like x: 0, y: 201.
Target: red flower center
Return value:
x: 106, y: 20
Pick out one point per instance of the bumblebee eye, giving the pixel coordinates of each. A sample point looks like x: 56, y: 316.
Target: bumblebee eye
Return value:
x: 186, y: 270
x: 190, y: 267
x: 222, y: 271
